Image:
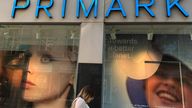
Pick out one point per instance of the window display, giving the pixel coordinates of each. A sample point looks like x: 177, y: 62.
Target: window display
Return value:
x: 147, y: 69
x: 39, y: 66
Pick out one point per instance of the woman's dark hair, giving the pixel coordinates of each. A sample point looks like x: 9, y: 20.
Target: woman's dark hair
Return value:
x: 4, y: 90
x: 86, y: 92
x: 4, y: 84
x: 70, y: 96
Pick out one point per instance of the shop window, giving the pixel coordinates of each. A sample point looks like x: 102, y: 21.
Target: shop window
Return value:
x: 134, y: 55
x: 38, y: 64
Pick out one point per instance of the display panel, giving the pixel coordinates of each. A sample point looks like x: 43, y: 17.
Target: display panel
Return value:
x: 38, y: 65
x: 147, y: 67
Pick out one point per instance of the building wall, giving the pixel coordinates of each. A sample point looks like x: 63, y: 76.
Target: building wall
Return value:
x: 92, y: 31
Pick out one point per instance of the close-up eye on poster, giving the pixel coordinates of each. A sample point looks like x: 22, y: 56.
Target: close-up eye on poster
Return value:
x: 147, y: 69
x: 38, y: 66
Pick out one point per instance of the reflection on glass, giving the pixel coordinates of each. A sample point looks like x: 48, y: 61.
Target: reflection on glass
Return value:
x: 40, y: 72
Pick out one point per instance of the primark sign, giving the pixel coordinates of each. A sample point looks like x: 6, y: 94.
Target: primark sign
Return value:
x: 82, y: 9
x: 78, y: 11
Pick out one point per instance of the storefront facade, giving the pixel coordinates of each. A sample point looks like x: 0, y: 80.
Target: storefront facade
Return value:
x: 118, y: 47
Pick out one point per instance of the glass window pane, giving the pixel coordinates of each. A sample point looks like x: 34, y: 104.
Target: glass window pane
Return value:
x: 38, y: 64
x: 136, y: 54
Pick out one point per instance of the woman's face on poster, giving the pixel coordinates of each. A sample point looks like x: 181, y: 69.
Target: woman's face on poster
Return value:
x: 48, y: 73
x: 164, y: 89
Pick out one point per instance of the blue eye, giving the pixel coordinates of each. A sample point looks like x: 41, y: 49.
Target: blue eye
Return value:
x: 46, y: 58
